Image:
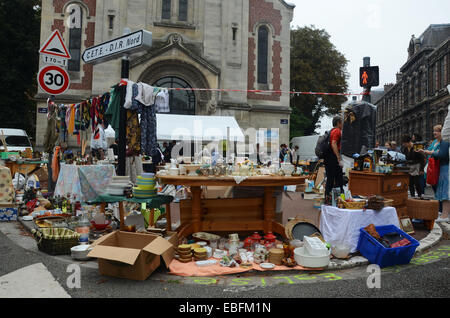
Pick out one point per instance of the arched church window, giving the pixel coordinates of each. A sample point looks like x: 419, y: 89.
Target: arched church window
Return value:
x: 181, y: 102
x: 263, y: 54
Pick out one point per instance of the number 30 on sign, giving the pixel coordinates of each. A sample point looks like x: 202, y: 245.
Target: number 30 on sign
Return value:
x: 53, y: 80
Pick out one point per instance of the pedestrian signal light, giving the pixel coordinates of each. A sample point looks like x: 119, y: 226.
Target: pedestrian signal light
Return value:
x: 369, y: 76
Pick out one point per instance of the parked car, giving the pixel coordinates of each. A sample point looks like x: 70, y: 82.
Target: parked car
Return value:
x: 16, y: 139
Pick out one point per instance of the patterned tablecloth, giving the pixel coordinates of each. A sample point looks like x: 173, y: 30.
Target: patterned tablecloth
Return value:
x: 86, y: 182
x: 6, y: 187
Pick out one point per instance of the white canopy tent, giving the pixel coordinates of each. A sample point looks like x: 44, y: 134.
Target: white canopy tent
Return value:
x: 195, y: 128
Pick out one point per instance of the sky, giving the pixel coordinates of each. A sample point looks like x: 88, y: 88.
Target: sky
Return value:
x: 380, y: 29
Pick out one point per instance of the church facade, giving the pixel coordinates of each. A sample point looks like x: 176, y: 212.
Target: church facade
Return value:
x: 207, y: 44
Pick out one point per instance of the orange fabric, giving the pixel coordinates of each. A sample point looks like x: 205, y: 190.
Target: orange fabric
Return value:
x: 193, y: 270
x: 55, y: 164
x: 71, y: 127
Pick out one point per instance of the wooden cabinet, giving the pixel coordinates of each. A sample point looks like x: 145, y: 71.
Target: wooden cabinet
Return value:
x: 391, y: 186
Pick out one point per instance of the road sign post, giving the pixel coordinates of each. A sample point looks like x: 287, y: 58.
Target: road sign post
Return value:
x: 121, y: 47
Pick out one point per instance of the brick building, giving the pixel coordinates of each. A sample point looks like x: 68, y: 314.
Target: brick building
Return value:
x: 419, y: 99
x: 233, y: 44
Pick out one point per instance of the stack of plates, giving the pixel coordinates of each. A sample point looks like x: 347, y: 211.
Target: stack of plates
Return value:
x: 118, y: 185
x: 144, y: 194
x: 146, y: 183
x: 146, y: 186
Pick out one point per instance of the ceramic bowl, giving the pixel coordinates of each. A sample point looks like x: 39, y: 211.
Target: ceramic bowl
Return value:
x: 303, y: 259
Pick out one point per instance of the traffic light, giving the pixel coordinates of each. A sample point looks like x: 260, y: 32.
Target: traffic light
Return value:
x: 369, y: 76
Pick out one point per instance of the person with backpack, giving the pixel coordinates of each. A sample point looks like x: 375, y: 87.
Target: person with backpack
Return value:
x: 332, y: 158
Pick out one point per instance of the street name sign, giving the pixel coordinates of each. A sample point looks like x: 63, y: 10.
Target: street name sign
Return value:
x: 127, y: 44
x: 53, y: 79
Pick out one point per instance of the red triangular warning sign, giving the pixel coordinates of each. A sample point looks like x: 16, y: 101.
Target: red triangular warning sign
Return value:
x: 55, y: 46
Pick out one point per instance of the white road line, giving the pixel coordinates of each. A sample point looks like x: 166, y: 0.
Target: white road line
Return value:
x: 33, y: 281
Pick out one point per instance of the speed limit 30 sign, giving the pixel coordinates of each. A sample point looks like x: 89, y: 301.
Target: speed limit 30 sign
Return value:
x: 53, y: 80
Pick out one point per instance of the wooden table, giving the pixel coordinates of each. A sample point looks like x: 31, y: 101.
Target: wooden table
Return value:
x: 25, y: 167
x: 389, y: 185
x: 235, y: 215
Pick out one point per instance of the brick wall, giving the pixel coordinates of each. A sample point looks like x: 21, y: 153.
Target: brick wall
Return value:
x: 262, y: 11
x: 86, y: 81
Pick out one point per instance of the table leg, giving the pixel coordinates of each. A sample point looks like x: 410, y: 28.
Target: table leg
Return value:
x: 269, y: 213
x: 122, y: 216
x: 168, y: 217
x: 196, y: 208
x: 152, y: 218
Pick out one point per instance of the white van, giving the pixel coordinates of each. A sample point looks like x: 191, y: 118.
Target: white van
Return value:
x: 16, y: 139
x: 307, y: 146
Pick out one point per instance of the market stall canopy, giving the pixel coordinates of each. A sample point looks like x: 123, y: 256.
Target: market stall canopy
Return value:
x: 206, y: 128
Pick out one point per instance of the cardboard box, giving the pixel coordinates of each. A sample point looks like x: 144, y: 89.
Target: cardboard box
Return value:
x: 8, y: 212
x: 132, y: 255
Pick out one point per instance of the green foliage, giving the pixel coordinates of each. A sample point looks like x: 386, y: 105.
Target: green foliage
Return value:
x: 316, y: 66
x: 19, y: 61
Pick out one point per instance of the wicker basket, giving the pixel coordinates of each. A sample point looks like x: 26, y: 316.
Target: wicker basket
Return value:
x: 422, y: 209
x: 61, y: 245
x: 358, y: 205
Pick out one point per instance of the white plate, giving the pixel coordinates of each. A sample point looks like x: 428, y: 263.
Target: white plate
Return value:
x: 28, y: 218
x: 267, y: 265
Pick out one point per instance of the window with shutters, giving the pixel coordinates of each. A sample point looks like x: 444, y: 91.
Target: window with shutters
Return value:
x: 263, y: 54
x: 166, y: 9
x: 183, y: 10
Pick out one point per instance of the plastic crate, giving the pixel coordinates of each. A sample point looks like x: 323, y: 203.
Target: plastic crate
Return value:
x: 376, y: 253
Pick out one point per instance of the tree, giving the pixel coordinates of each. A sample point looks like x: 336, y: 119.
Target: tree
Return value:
x: 19, y: 61
x: 316, y: 66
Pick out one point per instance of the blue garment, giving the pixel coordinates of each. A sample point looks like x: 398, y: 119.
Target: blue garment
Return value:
x: 442, y: 191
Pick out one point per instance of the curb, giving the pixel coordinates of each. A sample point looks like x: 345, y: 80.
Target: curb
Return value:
x: 426, y: 243
x: 337, y: 264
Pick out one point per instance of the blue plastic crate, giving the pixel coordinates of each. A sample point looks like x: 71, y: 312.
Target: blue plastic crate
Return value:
x: 376, y: 253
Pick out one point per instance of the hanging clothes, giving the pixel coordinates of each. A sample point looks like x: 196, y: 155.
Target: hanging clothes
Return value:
x: 71, y: 124
x: 162, y: 101
x: 55, y: 164
x: 133, y: 168
x: 148, y: 130
x: 146, y: 94
x: 112, y: 114
x: 51, y: 134
x: 129, y: 95
x: 133, y: 134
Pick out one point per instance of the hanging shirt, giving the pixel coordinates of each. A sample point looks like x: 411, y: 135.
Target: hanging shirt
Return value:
x: 129, y: 96
x: 162, y: 101
x: 146, y: 95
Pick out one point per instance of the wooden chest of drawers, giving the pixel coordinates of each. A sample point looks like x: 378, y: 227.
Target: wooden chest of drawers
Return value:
x: 390, y: 186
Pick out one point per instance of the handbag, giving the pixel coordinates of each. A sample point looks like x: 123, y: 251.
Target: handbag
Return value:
x: 433, y: 171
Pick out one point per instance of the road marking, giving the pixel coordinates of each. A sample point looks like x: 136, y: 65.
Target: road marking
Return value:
x: 33, y: 281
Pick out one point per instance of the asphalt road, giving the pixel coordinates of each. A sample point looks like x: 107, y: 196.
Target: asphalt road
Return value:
x: 429, y: 278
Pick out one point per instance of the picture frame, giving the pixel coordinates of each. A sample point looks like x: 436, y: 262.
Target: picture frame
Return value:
x: 406, y: 225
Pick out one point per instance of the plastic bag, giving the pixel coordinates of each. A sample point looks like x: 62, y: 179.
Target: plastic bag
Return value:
x: 433, y: 171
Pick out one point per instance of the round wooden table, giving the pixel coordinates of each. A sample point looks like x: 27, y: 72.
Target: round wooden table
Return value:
x: 238, y: 219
